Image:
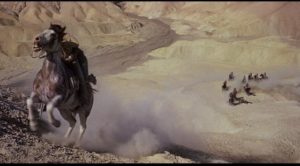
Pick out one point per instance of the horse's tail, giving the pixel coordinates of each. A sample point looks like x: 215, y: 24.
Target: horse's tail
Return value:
x: 94, y: 90
x: 92, y: 79
x: 91, y: 89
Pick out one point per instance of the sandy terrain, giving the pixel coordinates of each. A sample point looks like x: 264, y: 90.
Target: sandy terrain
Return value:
x: 160, y: 70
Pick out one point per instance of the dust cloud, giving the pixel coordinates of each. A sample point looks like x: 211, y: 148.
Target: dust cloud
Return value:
x: 285, y: 82
x: 149, y: 124
x: 159, y: 119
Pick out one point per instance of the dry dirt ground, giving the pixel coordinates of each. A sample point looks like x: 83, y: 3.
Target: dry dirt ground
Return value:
x: 20, y: 145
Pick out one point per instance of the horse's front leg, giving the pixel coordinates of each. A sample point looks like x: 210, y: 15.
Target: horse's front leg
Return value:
x: 50, y: 107
x: 32, y: 114
x: 41, y: 109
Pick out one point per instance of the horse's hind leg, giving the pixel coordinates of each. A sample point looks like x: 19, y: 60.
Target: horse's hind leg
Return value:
x: 71, y: 120
x: 32, y: 114
x: 82, y: 127
x: 50, y: 107
x: 83, y: 115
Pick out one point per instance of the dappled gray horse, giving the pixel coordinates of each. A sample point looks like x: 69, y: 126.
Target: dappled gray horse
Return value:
x: 57, y: 86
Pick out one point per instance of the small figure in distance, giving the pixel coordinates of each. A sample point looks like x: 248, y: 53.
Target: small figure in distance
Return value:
x: 244, y: 80
x: 247, y: 89
x: 250, y: 77
x: 245, y: 101
x: 262, y: 76
x: 234, y: 100
x: 234, y: 93
x: 231, y: 76
x: 224, y: 86
x: 265, y: 75
x: 232, y: 97
x: 256, y: 77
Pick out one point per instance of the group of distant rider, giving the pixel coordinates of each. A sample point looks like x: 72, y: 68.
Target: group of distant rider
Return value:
x: 233, y: 99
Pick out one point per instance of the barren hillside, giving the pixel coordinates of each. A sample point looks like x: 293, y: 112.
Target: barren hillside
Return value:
x: 95, y: 25
x: 228, y: 19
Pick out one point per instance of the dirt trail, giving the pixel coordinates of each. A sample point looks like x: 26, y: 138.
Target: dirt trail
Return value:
x: 120, y: 59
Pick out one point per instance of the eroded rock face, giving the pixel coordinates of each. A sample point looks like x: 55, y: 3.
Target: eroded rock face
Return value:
x: 86, y: 20
x: 17, y: 7
x: 231, y: 19
x: 94, y: 24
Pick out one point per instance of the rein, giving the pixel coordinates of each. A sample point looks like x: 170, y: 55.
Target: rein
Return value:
x: 39, y: 56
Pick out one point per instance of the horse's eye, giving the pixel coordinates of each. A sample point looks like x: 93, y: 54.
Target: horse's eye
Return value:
x: 52, y: 35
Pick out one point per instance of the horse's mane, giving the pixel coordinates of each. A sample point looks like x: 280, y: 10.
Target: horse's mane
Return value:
x: 59, y: 30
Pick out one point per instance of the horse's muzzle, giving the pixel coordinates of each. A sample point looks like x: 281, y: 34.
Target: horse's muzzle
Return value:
x: 36, y: 46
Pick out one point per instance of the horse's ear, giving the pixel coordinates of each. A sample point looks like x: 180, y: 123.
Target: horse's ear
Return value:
x: 63, y: 29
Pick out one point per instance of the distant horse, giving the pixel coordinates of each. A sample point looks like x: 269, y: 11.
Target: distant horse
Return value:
x: 231, y: 76
x: 57, y: 86
x: 224, y: 86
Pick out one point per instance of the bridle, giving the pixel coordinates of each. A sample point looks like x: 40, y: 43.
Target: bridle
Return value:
x: 44, y: 55
x: 39, y: 56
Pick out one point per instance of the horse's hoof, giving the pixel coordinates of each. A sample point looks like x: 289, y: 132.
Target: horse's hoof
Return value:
x: 56, y: 123
x: 76, y: 144
x: 33, y: 126
x: 68, y: 143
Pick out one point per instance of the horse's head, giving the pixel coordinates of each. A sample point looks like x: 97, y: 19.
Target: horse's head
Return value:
x: 49, y: 39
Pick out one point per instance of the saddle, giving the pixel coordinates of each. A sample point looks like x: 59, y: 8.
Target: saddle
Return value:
x: 69, y: 46
x: 68, y: 49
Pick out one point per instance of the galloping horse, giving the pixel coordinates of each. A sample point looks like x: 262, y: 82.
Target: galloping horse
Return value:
x: 57, y: 86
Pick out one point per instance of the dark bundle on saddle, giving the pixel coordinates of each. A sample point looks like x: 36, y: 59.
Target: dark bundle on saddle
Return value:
x: 71, y: 50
